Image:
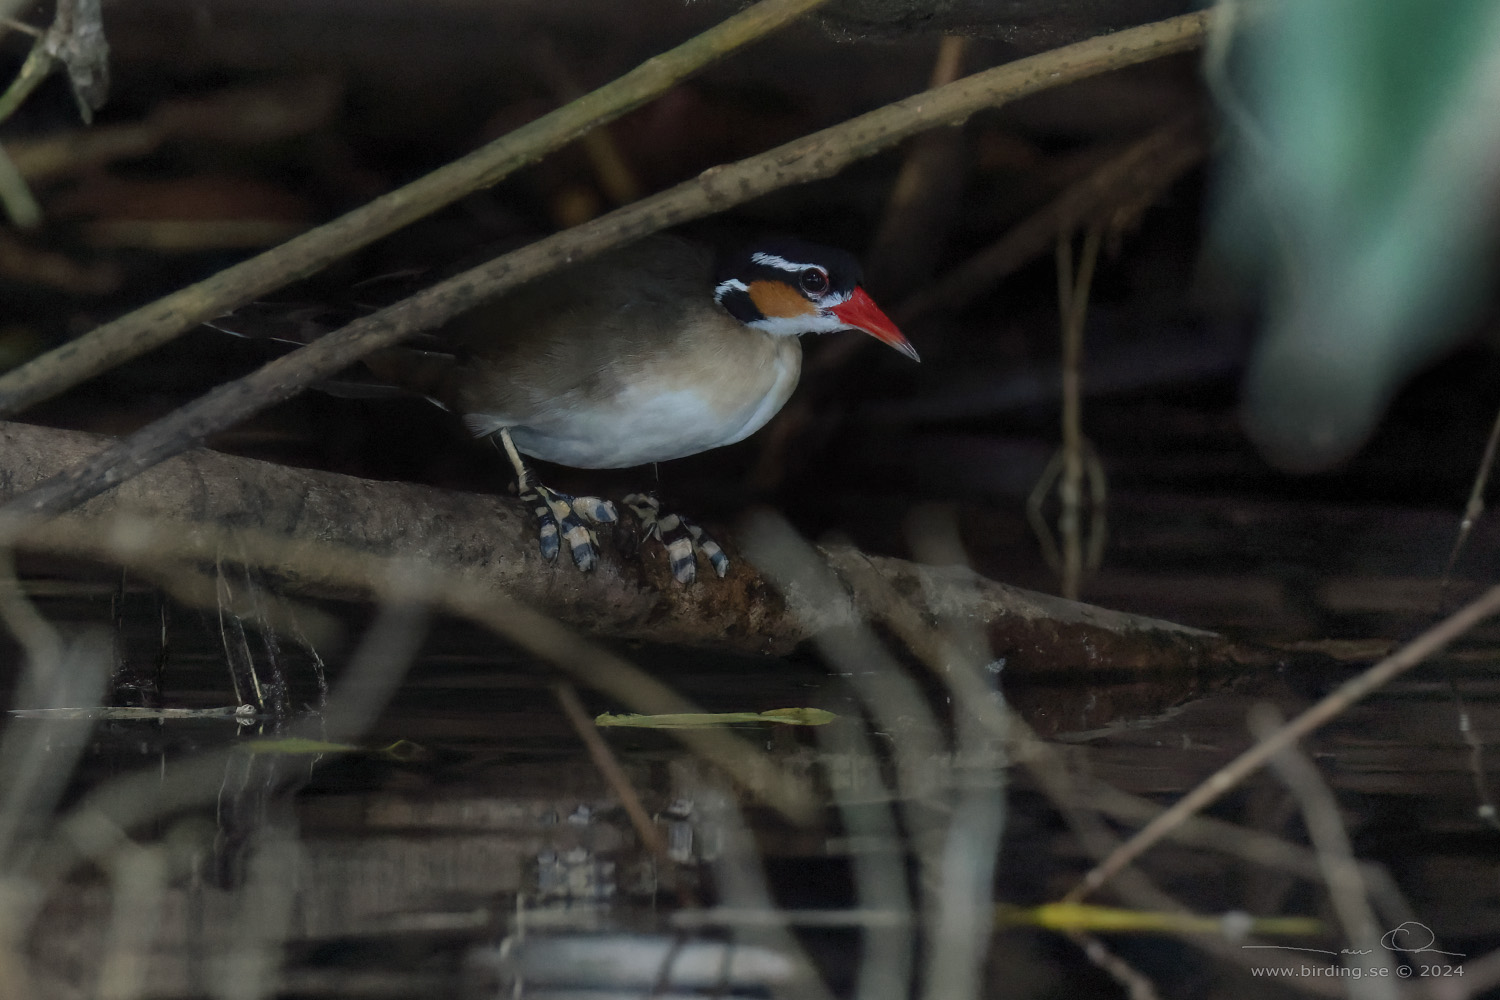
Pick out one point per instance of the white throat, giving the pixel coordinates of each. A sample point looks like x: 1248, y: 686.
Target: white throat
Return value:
x: 795, y: 326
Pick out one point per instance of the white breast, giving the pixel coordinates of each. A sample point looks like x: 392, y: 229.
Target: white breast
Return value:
x: 652, y: 422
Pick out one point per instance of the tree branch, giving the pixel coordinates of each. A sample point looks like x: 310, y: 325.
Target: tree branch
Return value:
x: 813, y: 157
x: 153, y: 325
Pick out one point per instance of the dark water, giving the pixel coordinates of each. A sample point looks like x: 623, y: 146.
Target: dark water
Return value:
x: 485, y: 854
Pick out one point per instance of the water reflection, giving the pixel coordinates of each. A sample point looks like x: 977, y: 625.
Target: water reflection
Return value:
x: 488, y: 854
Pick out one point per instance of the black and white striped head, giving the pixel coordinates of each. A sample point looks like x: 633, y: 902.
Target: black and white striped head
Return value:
x: 787, y: 287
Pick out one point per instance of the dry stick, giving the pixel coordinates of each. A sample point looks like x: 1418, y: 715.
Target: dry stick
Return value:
x: 1039, y: 758
x: 1472, y: 510
x: 1330, y: 838
x: 1073, y: 303
x: 1066, y: 469
x: 1408, y: 656
x: 156, y: 324
x: 962, y: 910
x: 1136, y: 984
x: 1026, y: 748
x: 1264, y: 850
x: 615, y: 775
x: 619, y: 782
x: 819, y: 155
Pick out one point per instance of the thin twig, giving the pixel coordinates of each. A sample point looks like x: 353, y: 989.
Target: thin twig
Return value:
x: 619, y: 782
x: 1264, y: 850
x: 1472, y: 510
x: 964, y: 904
x: 888, y: 942
x: 893, y: 700
x: 1329, y: 707
x: 161, y: 321
x: 1073, y: 304
x: 1045, y: 764
x: 1135, y: 983
x: 1478, y: 773
x: 819, y: 155
x: 1341, y: 872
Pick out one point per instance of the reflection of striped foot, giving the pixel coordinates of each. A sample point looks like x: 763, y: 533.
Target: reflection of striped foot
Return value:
x: 565, y: 516
x: 680, y: 536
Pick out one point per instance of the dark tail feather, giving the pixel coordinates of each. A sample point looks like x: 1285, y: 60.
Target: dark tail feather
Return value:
x: 349, y: 389
x: 391, y: 373
x: 286, y: 323
x: 420, y: 373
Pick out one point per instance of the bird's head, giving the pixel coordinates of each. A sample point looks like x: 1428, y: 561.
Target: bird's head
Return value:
x: 788, y: 288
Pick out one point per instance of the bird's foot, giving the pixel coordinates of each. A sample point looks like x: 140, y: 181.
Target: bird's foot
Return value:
x: 567, y: 518
x: 681, y: 537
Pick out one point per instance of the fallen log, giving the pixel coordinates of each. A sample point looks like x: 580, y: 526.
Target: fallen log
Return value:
x: 203, y: 497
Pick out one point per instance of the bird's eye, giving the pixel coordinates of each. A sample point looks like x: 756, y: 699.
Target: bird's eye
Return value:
x: 814, y: 280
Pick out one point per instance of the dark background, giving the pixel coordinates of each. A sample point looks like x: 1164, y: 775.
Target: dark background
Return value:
x: 1201, y: 529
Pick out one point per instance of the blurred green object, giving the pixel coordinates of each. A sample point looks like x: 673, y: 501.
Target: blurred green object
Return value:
x: 1366, y: 140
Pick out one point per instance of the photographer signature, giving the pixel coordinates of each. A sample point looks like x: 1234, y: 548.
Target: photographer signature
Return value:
x: 1411, y: 938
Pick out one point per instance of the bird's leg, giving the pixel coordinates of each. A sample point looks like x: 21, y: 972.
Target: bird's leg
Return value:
x: 681, y: 537
x: 559, y: 513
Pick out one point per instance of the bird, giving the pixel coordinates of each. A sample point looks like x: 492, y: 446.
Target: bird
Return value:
x: 654, y: 351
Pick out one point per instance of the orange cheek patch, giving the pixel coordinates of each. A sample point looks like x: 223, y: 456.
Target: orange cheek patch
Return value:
x: 773, y: 298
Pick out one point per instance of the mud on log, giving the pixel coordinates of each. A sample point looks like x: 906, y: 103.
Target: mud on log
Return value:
x: 203, y: 498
